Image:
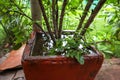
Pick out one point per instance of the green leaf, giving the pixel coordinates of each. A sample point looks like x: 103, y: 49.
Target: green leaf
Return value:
x: 109, y: 52
x: 81, y: 61
x: 11, y: 13
x: 79, y: 58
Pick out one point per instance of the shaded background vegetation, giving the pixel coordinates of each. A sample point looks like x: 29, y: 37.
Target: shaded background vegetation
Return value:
x: 16, y: 26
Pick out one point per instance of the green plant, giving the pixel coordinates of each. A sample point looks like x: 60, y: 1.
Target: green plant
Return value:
x: 74, y: 46
x: 71, y: 47
x: 104, y: 31
x: 14, y: 22
x: 2, y: 35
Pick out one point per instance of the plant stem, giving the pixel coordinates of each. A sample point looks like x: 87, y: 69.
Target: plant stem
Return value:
x: 61, y: 18
x: 54, y: 17
x: 104, y: 41
x: 46, y: 21
x: 92, y: 16
x: 35, y: 13
x: 89, y: 3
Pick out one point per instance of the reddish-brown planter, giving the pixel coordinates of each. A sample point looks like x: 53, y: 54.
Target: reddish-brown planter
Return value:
x: 59, y: 67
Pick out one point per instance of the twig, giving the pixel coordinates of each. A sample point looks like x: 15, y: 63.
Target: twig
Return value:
x: 14, y: 75
x: 22, y: 13
x: 103, y: 41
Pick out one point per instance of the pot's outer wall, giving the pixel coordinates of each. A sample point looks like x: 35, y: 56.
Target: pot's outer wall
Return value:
x: 68, y: 70
x: 59, y: 67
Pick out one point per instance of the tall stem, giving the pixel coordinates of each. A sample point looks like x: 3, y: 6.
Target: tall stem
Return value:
x: 56, y: 12
x: 54, y: 17
x: 61, y: 18
x: 92, y: 16
x: 36, y: 13
x: 46, y: 21
x: 89, y: 3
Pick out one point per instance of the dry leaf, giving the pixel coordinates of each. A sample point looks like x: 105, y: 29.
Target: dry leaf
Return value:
x: 13, y: 60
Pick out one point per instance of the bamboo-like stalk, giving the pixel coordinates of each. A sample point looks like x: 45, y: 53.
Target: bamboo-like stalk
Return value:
x: 92, y: 16
x: 46, y: 21
x: 87, y: 7
x: 54, y: 16
x: 61, y: 18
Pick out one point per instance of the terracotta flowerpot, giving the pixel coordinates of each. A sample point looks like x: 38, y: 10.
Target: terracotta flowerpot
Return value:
x: 59, y: 67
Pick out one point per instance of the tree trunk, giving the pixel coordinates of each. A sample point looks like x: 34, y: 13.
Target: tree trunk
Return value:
x: 36, y: 13
x: 36, y: 16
